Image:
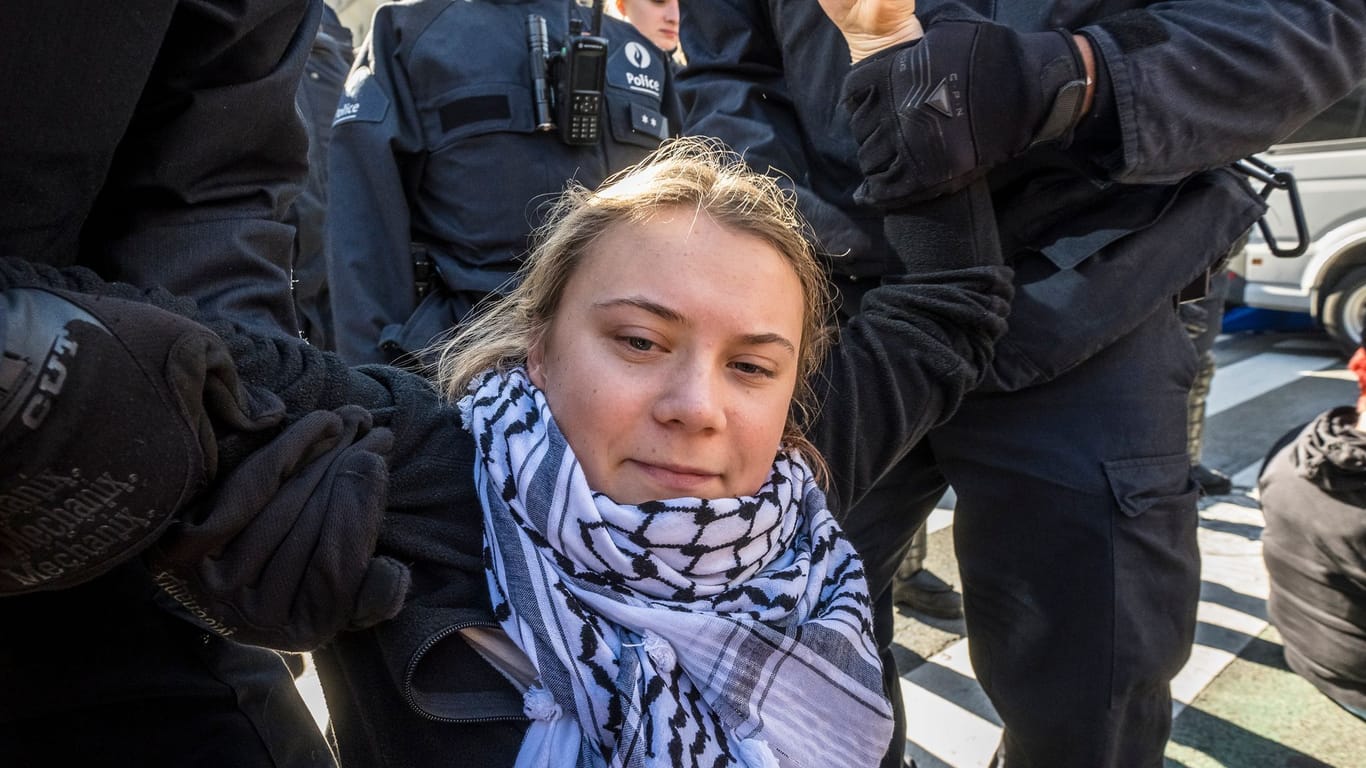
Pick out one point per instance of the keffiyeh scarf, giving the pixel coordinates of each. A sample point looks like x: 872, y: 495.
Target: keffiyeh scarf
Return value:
x: 724, y: 632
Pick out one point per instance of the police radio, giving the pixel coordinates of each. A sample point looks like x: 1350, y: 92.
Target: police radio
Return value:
x: 583, y: 73
x: 568, y: 85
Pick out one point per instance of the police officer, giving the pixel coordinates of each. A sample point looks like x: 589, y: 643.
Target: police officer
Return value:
x: 155, y: 142
x: 439, y: 165
x: 1100, y: 128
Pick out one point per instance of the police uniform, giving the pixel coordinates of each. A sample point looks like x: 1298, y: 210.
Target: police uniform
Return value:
x: 329, y: 61
x: 1075, y: 522
x: 167, y: 162
x: 437, y: 170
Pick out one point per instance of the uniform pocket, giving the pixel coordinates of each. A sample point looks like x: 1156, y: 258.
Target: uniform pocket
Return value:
x: 487, y: 173
x: 1145, y: 484
x: 1156, y: 571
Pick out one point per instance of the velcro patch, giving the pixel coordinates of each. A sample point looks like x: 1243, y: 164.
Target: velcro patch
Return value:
x: 474, y: 109
x: 650, y: 122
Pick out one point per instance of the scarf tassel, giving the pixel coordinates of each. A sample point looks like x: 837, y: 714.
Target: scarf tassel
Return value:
x: 755, y: 753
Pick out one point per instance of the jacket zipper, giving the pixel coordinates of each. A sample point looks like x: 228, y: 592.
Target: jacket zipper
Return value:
x: 422, y: 651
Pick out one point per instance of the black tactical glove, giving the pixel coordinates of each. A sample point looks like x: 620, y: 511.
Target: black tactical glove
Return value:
x: 281, y: 554
x: 932, y: 116
x: 108, y: 411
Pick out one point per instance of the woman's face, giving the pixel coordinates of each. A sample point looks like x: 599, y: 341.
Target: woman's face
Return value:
x: 656, y: 19
x: 671, y: 362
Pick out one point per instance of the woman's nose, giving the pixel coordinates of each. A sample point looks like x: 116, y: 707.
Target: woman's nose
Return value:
x: 693, y: 400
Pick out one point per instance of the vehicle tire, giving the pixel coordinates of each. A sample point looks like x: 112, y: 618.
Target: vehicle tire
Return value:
x: 1343, y: 310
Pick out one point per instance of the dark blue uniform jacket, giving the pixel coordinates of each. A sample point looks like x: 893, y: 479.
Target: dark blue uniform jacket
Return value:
x: 435, y: 148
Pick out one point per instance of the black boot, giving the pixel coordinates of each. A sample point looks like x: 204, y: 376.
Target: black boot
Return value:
x: 1212, y: 481
x: 923, y: 591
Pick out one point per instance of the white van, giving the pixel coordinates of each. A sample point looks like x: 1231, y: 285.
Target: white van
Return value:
x: 1328, y: 159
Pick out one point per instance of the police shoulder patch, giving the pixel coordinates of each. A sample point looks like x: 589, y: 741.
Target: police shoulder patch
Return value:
x: 362, y: 99
x: 637, y: 67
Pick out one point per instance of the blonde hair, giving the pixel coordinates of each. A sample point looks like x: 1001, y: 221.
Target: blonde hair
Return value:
x: 688, y: 172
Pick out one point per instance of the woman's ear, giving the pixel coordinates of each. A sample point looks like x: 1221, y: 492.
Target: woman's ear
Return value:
x: 535, y: 362
x: 621, y: 8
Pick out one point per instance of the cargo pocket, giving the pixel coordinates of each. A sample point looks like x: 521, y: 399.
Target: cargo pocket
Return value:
x: 1156, y: 571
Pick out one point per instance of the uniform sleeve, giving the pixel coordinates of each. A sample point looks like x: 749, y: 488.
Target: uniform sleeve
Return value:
x: 920, y: 343
x: 1202, y: 83
x: 375, y: 148
x: 216, y: 152
x: 734, y: 89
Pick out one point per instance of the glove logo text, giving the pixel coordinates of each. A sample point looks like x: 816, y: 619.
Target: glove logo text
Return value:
x: 59, y: 523
x: 50, y: 381
x: 180, y: 592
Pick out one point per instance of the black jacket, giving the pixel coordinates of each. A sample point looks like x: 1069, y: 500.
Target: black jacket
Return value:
x: 1313, y: 494
x: 167, y: 164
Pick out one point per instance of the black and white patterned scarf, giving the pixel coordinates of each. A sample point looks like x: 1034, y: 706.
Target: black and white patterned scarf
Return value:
x: 687, y: 632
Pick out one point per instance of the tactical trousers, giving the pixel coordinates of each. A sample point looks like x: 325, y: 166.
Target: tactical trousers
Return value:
x: 1075, y: 531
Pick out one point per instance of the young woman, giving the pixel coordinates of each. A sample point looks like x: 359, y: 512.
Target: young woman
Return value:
x: 658, y: 578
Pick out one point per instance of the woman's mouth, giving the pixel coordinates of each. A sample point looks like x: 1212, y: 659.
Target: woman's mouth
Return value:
x: 678, y: 477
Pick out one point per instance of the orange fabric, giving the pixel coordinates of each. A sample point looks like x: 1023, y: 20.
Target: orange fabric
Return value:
x: 1357, y: 365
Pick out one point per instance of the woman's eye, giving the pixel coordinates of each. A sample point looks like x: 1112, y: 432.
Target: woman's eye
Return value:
x: 639, y: 344
x: 751, y: 369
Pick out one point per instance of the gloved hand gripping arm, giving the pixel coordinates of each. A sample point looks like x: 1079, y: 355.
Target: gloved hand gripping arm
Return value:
x: 109, y: 411
x: 118, y: 410
x: 935, y: 112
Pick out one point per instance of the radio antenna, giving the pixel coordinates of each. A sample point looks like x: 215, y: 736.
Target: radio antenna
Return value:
x: 597, y: 18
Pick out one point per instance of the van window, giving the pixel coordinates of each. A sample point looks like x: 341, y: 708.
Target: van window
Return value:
x: 1346, y: 119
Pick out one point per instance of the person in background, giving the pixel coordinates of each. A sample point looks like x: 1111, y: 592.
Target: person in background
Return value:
x: 1313, y: 494
x: 168, y: 164
x: 656, y: 19
x: 1075, y: 526
x: 440, y: 165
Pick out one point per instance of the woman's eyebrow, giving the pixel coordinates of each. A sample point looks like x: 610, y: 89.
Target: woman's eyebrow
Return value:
x: 755, y: 339
x: 653, y: 307
x: 659, y: 310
